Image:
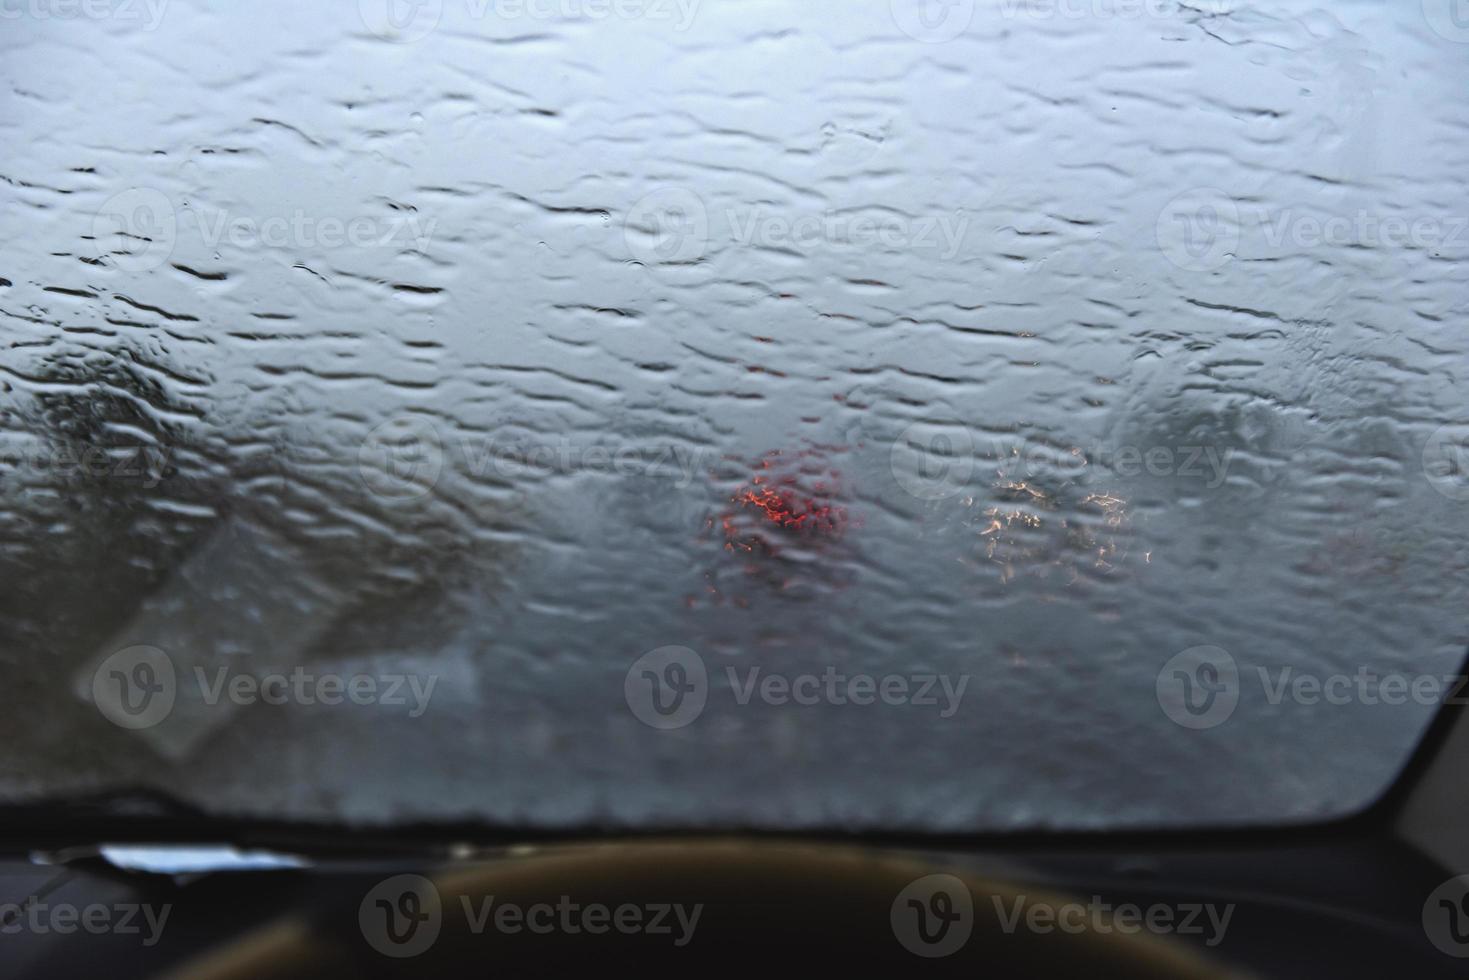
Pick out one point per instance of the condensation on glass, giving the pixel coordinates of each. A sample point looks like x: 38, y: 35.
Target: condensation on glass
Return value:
x: 713, y: 413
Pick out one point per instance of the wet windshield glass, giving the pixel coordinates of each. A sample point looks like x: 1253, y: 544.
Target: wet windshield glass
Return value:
x: 676, y: 412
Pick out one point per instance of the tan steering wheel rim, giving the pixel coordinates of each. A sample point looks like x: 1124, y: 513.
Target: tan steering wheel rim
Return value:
x: 835, y: 901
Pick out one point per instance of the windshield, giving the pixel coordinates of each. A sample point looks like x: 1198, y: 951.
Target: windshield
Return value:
x: 970, y: 416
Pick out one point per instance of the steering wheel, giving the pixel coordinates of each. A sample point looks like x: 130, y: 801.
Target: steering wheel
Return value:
x: 760, y: 905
